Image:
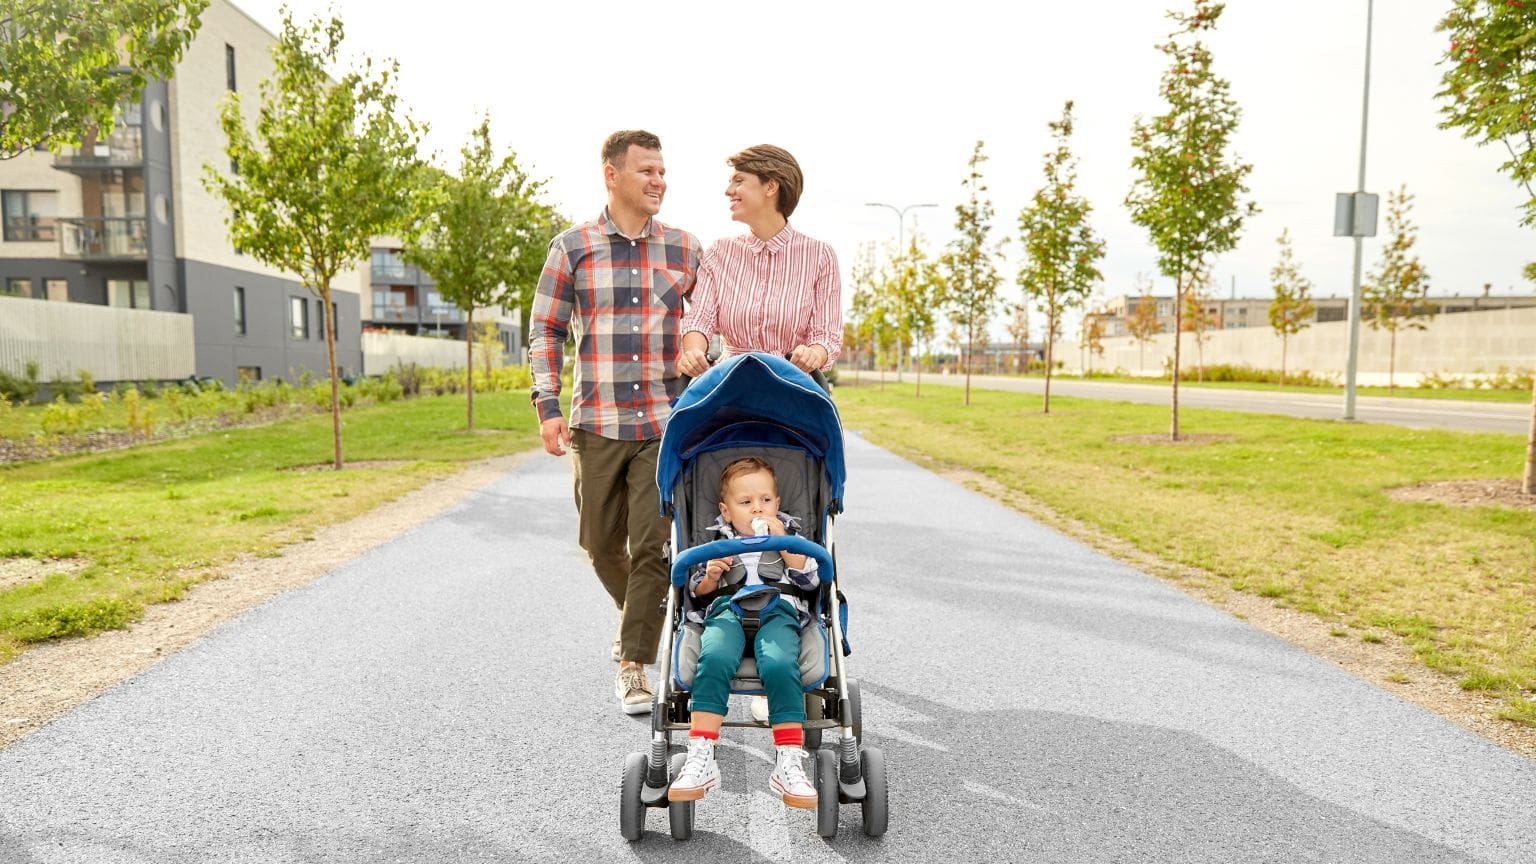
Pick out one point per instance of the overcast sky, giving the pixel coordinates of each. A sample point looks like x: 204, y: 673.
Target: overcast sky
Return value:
x: 883, y: 101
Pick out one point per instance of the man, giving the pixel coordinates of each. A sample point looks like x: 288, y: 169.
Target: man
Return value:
x: 616, y: 285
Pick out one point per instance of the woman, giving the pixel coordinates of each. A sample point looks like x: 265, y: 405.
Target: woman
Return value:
x: 773, y: 289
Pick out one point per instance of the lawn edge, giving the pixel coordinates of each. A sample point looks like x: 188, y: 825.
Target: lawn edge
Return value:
x: 48, y: 680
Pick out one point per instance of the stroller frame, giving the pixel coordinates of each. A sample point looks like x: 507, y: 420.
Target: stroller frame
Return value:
x: 844, y: 773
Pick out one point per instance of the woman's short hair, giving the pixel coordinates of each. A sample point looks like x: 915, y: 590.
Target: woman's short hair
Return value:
x: 741, y: 467
x: 773, y: 163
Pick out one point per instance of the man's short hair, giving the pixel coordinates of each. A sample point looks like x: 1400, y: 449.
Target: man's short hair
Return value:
x: 743, y: 466
x: 617, y: 145
x: 773, y: 163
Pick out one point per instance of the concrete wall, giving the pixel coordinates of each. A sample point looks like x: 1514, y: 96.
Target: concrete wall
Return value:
x: 1463, y: 343
x: 383, y: 350
x: 114, y: 344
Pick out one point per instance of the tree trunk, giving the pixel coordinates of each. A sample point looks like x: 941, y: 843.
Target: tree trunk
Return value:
x: 1392, y: 363
x: 330, y: 358
x: 1049, y: 345
x: 469, y: 370
x: 1529, y: 484
x: 1178, y: 340
x: 1141, y: 356
x: 918, y: 369
x: 1283, y: 341
x: 970, y: 351
x: 1200, y: 356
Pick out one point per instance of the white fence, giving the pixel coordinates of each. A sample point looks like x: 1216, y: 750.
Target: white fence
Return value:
x: 112, y: 343
x: 384, y: 350
x: 1463, y: 343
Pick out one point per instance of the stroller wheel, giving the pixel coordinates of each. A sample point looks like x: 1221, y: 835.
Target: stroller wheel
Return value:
x: 679, y: 813
x: 826, y: 793
x: 631, y: 809
x: 876, y: 812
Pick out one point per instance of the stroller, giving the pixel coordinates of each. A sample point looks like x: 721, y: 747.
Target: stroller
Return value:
x: 757, y: 405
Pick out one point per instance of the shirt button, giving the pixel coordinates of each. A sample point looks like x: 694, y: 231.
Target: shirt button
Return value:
x: 636, y: 357
x: 635, y: 272
x: 634, y: 299
x: 639, y: 413
x: 636, y: 328
x: 637, y: 386
x: 631, y: 242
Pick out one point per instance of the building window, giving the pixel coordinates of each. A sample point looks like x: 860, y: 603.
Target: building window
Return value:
x: 229, y: 66
x: 18, y: 287
x: 247, y: 374
x: 29, y: 215
x: 298, y: 312
x: 239, y: 311
x: 128, y: 293
x: 58, y: 290
x: 324, y: 322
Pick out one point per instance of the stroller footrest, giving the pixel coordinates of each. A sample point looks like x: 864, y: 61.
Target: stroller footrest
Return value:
x: 849, y: 792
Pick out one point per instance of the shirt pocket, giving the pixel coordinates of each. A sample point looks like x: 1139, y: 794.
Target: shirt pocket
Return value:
x: 667, y: 287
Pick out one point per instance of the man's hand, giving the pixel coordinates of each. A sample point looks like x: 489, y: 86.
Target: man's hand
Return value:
x: 556, y: 435
x: 692, y: 362
x: 808, y: 358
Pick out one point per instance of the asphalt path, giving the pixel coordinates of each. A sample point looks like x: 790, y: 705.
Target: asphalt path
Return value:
x: 1513, y: 418
x: 447, y: 698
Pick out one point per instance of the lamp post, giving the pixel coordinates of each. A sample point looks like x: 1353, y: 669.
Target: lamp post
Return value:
x: 1358, y: 222
x: 901, y: 242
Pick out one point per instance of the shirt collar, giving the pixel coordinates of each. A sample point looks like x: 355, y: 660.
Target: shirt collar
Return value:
x: 652, y: 227
x: 773, y: 245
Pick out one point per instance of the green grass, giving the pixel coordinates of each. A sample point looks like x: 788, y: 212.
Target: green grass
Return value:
x: 1289, y: 509
x: 1465, y: 395
x: 149, y: 521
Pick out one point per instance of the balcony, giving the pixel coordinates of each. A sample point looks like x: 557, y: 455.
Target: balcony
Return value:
x: 395, y: 313
x: 124, y: 148
x: 122, y: 239
x: 442, y: 314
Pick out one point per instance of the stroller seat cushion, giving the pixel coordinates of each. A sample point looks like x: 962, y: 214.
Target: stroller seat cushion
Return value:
x: 815, y: 659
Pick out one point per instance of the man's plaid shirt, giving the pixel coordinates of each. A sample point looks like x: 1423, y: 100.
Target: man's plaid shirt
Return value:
x: 621, y: 299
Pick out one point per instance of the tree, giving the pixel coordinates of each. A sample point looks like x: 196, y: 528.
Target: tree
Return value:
x: 1018, y: 328
x: 488, y: 348
x: 914, y: 290
x: 332, y: 164
x: 1188, y: 189
x: 1198, y: 318
x: 971, y: 278
x: 1143, y: 323
x: 1394, y: 297
x: 1093, y: 339
x: 1292, y: 309
x: 1489, y: 94
x: 473, y: 235
x: 69, y: 64
x: 870, y: 307
x: 1061, y: 251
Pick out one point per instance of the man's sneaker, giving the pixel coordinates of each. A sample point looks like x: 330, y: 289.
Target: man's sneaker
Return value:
x: 700, y: 773
x: 789, y: 780
x: 760, y: 709
x: 632, y: 689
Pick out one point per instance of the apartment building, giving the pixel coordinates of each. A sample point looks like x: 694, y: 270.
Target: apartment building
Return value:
x: 403, y: 299
x: 124, y: 220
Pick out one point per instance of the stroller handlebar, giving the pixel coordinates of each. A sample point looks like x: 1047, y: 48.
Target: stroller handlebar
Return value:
x: 737, y: 545
x: 714, y: 357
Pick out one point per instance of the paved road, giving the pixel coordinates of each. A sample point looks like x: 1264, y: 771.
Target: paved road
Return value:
x: 1511, y: 417
x: 442, y: 699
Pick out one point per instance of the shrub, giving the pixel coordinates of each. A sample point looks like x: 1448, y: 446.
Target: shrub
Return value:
x: 150, y: 389
x: 66, y: 388
x: 21, y: 389
x: 87, y: 381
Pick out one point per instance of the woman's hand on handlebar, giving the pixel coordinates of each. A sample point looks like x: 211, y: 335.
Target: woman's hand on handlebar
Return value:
x: 692, y: 362
x: 808, y: 358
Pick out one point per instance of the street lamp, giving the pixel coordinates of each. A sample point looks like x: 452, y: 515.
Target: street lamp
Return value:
x: 1355, y: 216
x: 901, y: 238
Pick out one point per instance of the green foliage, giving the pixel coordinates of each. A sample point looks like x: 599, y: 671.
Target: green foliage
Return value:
x: 1061, y: 250
x: 332, y: 165
x: 69, y: 64
x: 1227, y: 372
x: 1188, y: 189
x: 1292, y: 309
x: 1489, y: 83
x: 969, y: 265
x: 1395, y: 293
x: 65, y: 387
x: 21, y: 388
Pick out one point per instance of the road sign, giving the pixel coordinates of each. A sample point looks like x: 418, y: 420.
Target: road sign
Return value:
x: 1354, y: 214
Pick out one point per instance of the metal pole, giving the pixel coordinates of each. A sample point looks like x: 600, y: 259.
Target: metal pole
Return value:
x: 901, y: 229
x: 1354, y: 293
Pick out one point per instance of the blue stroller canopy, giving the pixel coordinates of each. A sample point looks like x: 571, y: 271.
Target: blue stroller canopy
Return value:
x: 752, y: 400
